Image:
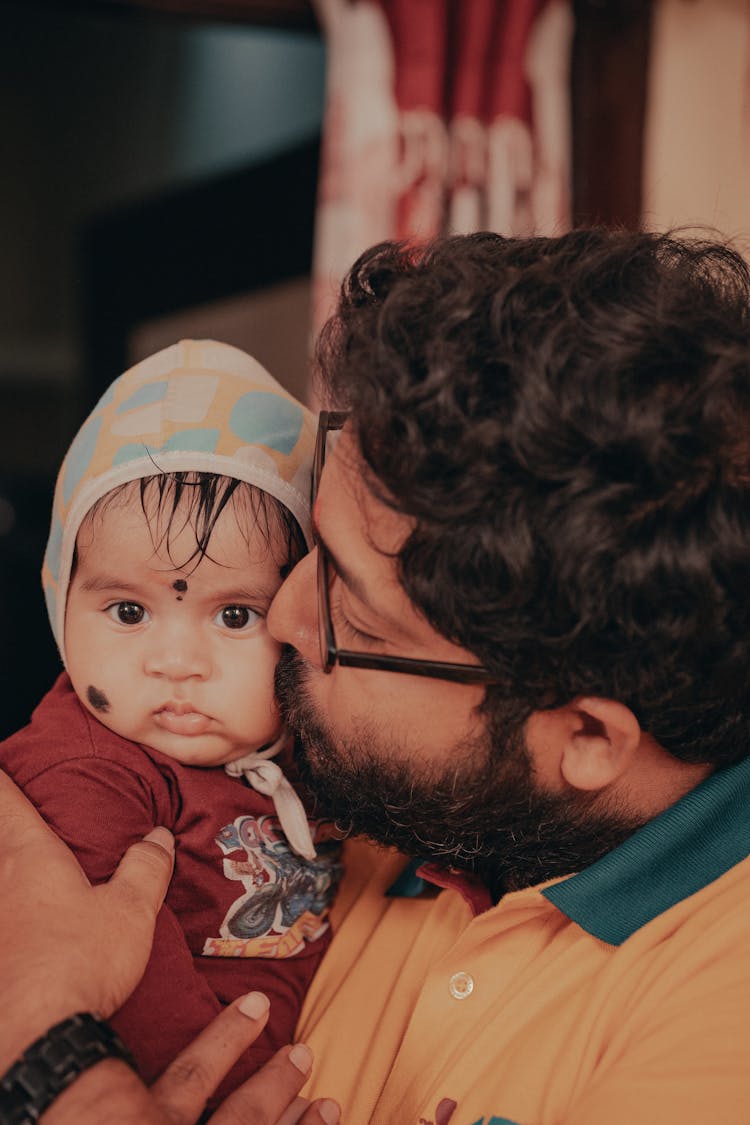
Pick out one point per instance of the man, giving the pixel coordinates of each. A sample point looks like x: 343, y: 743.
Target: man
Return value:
x: 527, y: 663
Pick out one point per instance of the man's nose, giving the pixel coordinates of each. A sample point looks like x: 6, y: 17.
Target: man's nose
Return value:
x: 177, y: 653
x: 293, y: 616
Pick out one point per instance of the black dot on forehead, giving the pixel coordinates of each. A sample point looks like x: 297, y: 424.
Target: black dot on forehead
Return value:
x: 180, y: 585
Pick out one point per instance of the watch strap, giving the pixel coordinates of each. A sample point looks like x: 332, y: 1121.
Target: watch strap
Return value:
x: 51, y: 1063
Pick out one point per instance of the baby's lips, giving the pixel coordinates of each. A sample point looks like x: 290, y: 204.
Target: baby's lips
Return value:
x: 182, y: 722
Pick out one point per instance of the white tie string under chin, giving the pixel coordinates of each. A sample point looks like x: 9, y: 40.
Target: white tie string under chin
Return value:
x: 268, y: 778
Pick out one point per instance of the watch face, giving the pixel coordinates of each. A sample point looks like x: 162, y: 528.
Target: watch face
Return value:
x: 54, y: 1061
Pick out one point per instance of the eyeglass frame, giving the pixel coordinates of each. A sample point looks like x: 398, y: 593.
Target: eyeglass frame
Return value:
x: 330, y: 653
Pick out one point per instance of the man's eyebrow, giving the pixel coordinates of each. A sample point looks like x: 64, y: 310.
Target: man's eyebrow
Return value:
x: 352, y: 582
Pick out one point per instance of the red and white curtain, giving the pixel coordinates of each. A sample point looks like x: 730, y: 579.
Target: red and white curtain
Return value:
x: 442, y: 116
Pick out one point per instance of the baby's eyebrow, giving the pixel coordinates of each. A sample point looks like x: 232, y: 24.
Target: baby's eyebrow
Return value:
x: 101, y: 582
x: 253, y: 594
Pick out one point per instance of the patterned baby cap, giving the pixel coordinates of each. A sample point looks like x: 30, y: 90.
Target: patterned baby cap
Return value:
x: 197, y: 406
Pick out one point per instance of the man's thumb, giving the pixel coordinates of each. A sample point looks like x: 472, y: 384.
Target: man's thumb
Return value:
x: 142, y: 875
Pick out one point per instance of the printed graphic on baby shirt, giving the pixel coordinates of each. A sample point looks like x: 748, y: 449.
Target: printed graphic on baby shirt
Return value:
x: 285, y: 898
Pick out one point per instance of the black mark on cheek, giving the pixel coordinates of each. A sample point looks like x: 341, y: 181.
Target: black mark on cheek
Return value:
x: 97, y: 699
x: 180, y: 585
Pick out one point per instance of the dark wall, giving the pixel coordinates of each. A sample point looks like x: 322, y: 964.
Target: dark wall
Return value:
x: 140, y: 172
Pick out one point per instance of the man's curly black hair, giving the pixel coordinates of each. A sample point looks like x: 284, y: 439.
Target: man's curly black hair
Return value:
x: 568, y: 420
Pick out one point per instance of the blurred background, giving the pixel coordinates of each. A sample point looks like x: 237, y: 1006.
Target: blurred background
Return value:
x: 199, y: 168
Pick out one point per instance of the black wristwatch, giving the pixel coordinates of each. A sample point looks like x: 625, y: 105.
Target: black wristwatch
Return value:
x: 52, y: 1063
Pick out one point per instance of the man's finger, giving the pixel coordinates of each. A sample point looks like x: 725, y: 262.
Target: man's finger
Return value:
x: 293, y: 1114
x: 322, y: 1112
x: 265, y: 1097
x: 187, y: 1082
x: 301, y: 1112
x: 142, y: 875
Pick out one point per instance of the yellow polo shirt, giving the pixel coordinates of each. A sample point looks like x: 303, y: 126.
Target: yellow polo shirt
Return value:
x: 617, y: 996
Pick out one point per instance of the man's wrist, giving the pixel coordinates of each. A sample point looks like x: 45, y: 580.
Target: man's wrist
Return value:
x: 30, y: 1006
x: 53, y: 1062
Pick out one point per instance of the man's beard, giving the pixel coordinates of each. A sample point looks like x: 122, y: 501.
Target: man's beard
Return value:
x: 479, y: 810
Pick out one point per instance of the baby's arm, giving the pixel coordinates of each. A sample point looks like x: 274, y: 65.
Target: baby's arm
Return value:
x: 99, y: 807
x: 60, y: 937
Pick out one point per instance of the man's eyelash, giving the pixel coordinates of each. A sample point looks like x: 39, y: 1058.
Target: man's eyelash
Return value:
x: 342, y: 624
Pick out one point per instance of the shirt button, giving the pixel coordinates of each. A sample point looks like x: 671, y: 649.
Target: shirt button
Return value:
x: 461, y: 985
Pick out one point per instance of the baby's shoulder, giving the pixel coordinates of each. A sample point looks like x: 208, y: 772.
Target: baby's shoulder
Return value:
x: 62, y: 731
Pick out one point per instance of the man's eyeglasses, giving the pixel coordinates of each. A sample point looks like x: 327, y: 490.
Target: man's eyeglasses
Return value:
x: 330, y: 653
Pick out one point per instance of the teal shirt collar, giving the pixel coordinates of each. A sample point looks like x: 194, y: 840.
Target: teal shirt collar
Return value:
x: 677, y: 853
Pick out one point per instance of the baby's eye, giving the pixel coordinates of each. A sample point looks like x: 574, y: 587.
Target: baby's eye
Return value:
x: 237, y: 617
x: 127, y: 613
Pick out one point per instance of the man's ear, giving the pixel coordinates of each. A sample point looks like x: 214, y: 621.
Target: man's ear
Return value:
x: 600, y: 744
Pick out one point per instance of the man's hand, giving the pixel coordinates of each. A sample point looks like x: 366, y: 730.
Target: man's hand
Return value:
x: 68, y: 946
x: 268, y: 1098
x: 110, y: 1091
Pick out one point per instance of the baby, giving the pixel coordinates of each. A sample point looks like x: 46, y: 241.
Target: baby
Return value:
x: 180, y: 506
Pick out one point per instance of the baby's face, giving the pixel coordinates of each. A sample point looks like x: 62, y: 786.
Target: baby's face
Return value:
x: 177, y: 659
